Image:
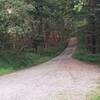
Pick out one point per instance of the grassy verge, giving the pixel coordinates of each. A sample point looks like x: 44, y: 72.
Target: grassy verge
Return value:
x: 11, y: 61
x: 81, y: 54
x: 94, y: 95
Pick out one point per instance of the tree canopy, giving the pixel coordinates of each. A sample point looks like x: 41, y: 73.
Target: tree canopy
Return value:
x: 37, y: 17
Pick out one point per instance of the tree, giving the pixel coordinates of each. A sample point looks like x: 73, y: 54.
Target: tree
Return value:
x: 37, y: 17
x: 14, y: 19
x: 89, y: 10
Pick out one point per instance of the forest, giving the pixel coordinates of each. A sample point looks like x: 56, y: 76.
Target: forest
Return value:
x: 35, y: 31
x: 42, y: 28
x: 32, y: 31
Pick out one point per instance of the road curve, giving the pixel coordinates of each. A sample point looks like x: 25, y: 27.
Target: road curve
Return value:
x: 62, y: 78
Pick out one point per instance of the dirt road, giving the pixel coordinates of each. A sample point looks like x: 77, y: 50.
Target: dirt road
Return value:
x: 62, y: 78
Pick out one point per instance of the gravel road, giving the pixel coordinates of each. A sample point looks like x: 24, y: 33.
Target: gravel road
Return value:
x: 62, y: 78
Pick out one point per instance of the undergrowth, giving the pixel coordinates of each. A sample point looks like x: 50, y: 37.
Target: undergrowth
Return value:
x: 11, y: 61
x: 83, y: 55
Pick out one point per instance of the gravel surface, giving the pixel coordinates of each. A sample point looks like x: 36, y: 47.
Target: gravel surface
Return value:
x: 62, y: 78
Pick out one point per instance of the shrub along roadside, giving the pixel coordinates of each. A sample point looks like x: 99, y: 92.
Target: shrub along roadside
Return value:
x: 11, y: 61
x: 82, y: 55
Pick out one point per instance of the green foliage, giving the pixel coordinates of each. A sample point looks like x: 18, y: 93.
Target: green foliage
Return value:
x: 14, y: 21
x: 53, y: 50
x: 11, y: 60
x: 14, y: 16
x: 83, y: 55
x: 37, y: 17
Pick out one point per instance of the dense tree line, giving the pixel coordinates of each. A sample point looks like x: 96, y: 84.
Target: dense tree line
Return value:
x: 32, y: 17
x: 89, y: 10
x: 36, y: 19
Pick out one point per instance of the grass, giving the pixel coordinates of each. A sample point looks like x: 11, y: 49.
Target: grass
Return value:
x: 81, y: 54
x: 94, y: 95
x: 11, y: 61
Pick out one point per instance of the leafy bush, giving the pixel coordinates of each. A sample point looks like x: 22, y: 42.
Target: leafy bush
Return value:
x: 11, y: 60
x: 83, y: 55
